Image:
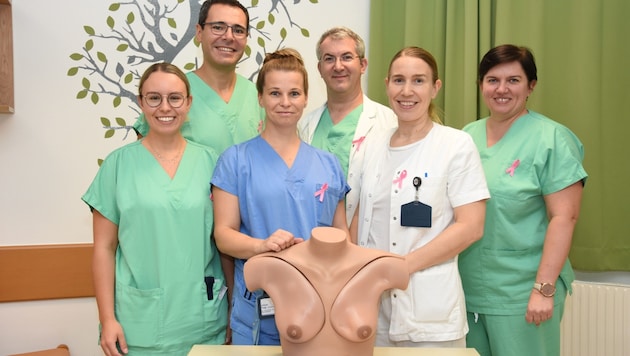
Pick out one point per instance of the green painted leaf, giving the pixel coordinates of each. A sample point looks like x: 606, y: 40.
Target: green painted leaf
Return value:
x: 172, y: 22
x: 117, y: 101
x: 76, y: 56
x: 101, y: 57
x: 114, y: 7
x: 109, y: 133
x: 254, y: 2
x: 248, y: 50
x: 283, y: 33
x: 82, y: 94
x: 261, y: 42
x: 305, y: 32
x: 110, y: 22
x: 122, y: 47
x: 89, y: 44
x: 86, y: 83
x: 89, y: 30
x: 260, y: 24
x: 180, y: 1
x: 94, y: 98
x: 99, y: 161
x: 73, y: 71
x: 105, y: 121
x: 128, y: 78
x: 121, y: 122
x: 189, y: 66
x: 271, y: 18
x: 313, y: 1
x: 131, y: 18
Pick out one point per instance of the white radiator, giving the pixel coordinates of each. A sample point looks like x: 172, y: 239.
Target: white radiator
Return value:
x: 596, y: 320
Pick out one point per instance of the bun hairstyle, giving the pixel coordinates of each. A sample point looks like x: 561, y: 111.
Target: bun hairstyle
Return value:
x: 286, y: 59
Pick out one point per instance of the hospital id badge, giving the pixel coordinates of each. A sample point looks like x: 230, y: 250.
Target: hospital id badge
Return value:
x: 266, y: 308
x: 415, y: 214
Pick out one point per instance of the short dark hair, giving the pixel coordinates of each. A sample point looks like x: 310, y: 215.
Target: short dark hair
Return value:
x: 507, y: 53
x: 205, y: 7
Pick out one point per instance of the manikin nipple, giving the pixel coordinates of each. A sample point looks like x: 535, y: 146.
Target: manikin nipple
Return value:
x: 294, y: 332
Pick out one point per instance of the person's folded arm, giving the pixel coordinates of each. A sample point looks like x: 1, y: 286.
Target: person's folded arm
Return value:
x: 467, y: 228
x: 232, y: 242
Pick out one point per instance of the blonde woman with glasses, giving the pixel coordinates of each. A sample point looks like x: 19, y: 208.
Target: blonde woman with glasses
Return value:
x: 157, y: 274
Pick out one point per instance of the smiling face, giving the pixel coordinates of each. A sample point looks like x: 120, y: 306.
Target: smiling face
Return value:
x: 341, y: 76
x: 410, y: 88
x: 222, y: 50
x: 164, y: 118
x: 283, y: 98
x: 505, y: 89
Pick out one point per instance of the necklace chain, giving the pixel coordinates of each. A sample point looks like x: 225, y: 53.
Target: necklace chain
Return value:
x: 164, y: 159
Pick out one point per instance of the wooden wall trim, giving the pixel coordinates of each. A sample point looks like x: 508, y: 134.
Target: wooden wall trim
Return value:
x: 38, y: 272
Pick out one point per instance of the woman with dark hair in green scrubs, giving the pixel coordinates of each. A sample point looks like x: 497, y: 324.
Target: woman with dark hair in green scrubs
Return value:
x: 517, y: 276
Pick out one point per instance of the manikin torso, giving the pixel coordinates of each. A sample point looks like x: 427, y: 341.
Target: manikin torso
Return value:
x: 326, y: 292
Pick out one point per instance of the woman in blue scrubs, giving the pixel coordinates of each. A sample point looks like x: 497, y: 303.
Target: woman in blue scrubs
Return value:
x: 271, y: 191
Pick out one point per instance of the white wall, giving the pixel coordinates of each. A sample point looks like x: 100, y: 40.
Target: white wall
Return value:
x: 49, y: 147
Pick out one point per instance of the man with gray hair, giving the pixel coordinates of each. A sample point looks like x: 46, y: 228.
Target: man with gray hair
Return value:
x: 345, y: 123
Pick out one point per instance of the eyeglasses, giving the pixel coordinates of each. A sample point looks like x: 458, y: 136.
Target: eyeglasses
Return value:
x: 175, y: 100
x: 345, y: 58
x: 219, y: 28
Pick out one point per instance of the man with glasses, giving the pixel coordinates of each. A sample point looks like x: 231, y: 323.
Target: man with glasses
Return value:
x: 345, y: 123
x: 225, y: 108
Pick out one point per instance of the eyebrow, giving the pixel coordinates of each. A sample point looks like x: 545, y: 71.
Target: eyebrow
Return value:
x: 412, y: 76
x: 225, y: 23
x: 343, y: 54
x: 509, y: 76
x: 290, y: 89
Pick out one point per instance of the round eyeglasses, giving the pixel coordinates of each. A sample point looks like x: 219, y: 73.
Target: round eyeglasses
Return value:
x: 175, y: 100
x: 344, y: 58
x: 219, y: 28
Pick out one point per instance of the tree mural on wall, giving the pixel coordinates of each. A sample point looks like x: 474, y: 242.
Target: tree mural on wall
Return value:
x: 137, y: 33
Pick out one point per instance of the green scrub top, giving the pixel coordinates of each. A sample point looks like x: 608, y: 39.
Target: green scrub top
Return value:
x: 337, y: 139
x: 213, y: 122
x: 170, y: 288
x: 536, y: 157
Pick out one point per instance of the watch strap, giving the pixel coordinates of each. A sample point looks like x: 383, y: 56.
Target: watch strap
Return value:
x: 540, y: 287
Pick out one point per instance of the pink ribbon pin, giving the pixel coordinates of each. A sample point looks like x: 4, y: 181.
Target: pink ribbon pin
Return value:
x: 400, y: 178
x: 320, y: 193
x: 358, y: 142
x: 510, y: 170
x: 260, y: 126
